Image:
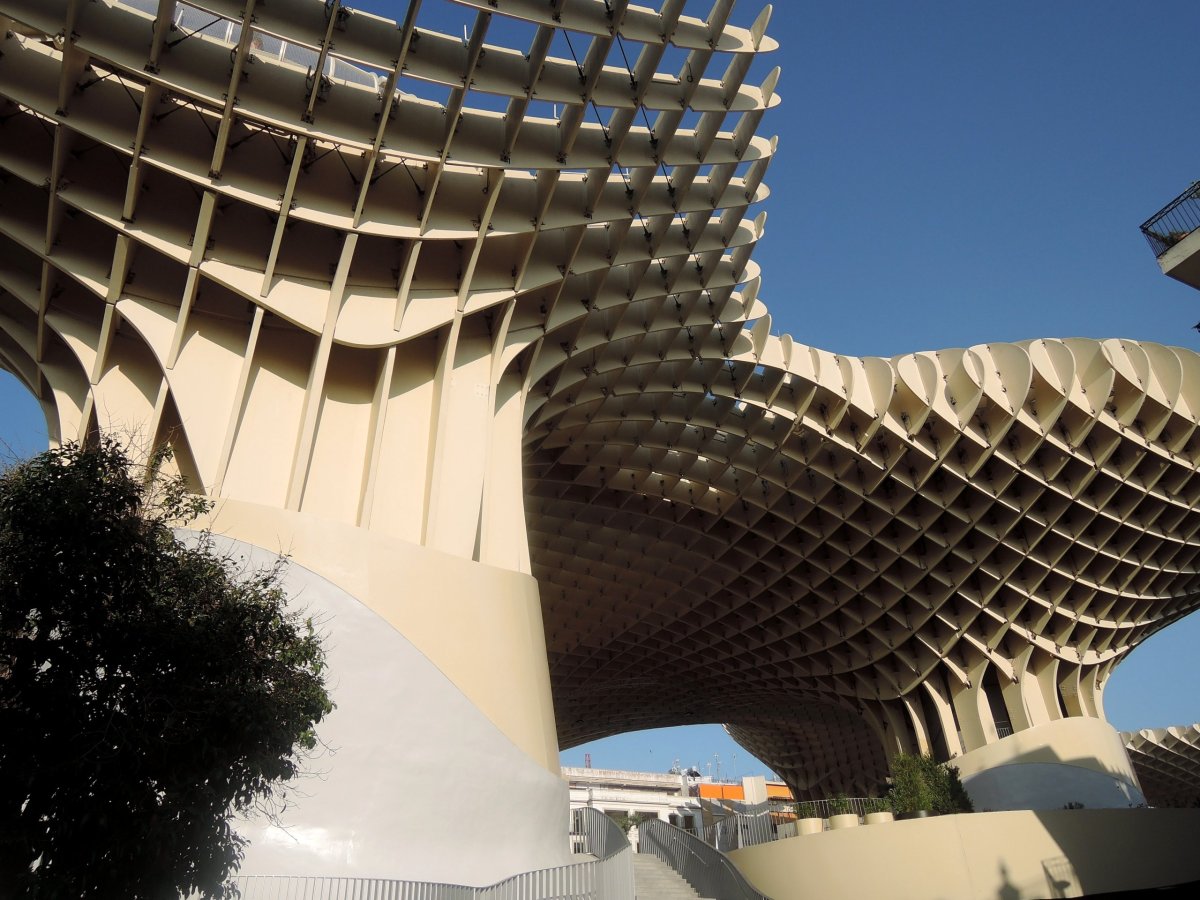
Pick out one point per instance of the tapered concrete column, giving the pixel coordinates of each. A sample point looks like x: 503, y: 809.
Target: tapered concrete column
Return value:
x: 920, y: 730
x: 974, y: 712
x: 1024, y: 698
x: 1014, y: 695
x: 945, y: 717
x: 1069, y: 691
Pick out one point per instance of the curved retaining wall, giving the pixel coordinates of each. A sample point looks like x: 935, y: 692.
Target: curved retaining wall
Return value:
x: 1014, y: 855
x: 1068, y: 761
x: 417, y: 782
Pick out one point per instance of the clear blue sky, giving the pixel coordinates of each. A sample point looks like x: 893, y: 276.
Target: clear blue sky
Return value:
x: 952, y: 173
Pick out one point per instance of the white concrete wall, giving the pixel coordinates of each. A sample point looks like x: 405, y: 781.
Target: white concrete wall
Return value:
x: 416, y: 782
x: 480, y: 625
x: 1075, y: 760
x: 1049, y: 786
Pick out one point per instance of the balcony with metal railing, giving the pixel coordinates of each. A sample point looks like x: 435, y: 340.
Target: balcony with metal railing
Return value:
x: 1174, y: 235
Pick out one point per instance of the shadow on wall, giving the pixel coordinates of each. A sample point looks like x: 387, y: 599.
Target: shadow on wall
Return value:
x: 1058, y: 879
x: 1027, y: 770
x: 1015, y: 855
x: 1051, y: 786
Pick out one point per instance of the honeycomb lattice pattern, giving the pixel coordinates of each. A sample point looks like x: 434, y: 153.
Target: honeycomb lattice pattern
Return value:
x: 301, y: 241
x: 1167, y: 763
x: 367, y: 270
x: 752, y: 533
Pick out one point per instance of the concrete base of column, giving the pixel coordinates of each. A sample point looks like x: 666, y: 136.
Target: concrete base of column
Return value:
x: 1066, y: 762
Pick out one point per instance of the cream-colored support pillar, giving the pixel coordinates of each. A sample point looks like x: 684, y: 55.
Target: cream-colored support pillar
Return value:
x: 504, y: 539
x: 1014, y: 703
x: 945, y: 716
x: 1095, y: 683
x: 463, y: 436
x: 1069, y: 690
x: 875, y: 716
x: 1090, y: 700
x: 1046, y: 674
x: 898, y: 728
x: 920, y: 730
x: 974, y: 713
x: 1024, y: 699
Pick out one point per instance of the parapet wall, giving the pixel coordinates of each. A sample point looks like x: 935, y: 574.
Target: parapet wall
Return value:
x: 1013, y: 855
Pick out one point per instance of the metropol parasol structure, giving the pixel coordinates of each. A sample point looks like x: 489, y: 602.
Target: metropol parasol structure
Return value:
x: 468, y: 325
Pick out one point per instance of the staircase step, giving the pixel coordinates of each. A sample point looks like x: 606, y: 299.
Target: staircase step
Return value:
x: 655, y: 880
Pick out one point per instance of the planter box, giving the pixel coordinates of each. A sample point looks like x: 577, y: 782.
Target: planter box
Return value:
x: 875, y: 818
x: 844, y: 820
x: 810, y: 826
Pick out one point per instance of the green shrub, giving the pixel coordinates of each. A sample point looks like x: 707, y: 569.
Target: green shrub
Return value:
x: 877, y: 804
x: 919, y: 782
x: 840, y: 805
x: 807, y: 809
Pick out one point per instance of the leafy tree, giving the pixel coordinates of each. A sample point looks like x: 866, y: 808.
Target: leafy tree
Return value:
x: 148, y: 689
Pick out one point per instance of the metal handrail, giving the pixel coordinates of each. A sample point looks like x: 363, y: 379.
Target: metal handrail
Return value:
x: 706, y: 869
x: 1174, y: 222
x: 744, y: 824
x: 192, y: 20
x: 608, y: 875
x: 833, y: 806
x: 741, y: 829
x: 594, y: 832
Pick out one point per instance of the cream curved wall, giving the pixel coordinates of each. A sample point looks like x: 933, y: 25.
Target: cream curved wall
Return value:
x: 983, y: 856
x: 413, y: 782
x: 479, y: 625
x: 1076, y: 760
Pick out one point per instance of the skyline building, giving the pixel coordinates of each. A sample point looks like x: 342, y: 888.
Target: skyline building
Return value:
x: 469, y: 328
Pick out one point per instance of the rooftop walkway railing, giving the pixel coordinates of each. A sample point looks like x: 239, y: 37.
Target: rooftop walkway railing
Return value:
x: 747, y: 824
x: 703, y: 867
x: 823, y: 809
x: 191, y: 20
x: 1174, y: 222
x: 609, y: 876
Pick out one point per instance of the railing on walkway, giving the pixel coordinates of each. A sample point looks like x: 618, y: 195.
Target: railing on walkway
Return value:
x: 191, y: 20
x: 609, y: 875
x: 706, y: 869
x: 750, y: 825
x: 833, y: 806
x: 1174, y: 222
x: 745, y: 825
